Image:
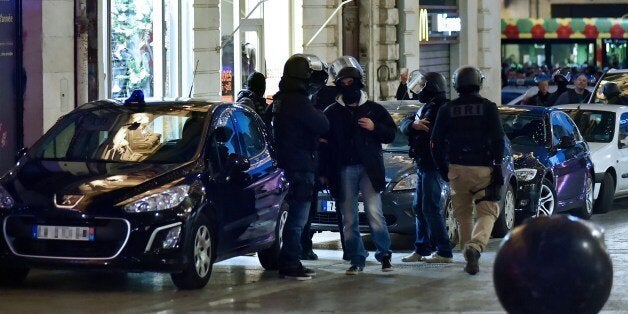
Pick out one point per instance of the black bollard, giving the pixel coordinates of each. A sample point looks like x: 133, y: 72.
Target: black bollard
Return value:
x: 555, y: 264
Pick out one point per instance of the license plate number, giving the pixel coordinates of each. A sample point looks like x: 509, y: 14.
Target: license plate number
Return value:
x: 330, y: 206
x: 44, y: 232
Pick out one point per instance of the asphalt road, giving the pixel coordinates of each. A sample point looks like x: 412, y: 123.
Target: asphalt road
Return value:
x: 241, y: 284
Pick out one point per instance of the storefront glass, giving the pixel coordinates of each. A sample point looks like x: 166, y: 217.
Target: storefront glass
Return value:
x: 519, y: 55
x: 572, y: 54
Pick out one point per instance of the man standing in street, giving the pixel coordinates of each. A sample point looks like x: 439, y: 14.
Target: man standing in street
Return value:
x: 355, y: 164
x: 432, y: 241
x: 578, y: 95
x: 468, y: 146
x: 542, y: 98
x: 297, y: 127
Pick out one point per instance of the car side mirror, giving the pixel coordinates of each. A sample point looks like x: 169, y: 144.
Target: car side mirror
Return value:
x: 566, y: 142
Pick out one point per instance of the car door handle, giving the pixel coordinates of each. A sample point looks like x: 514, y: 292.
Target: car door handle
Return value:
x: 624, y: 175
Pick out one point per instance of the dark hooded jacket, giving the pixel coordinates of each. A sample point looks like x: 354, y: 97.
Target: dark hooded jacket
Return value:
x: 297, y: 126
x: 419, y: 141
x: 346, y: 140
x: 253, y: 95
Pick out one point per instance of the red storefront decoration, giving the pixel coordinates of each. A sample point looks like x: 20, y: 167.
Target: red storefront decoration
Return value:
x: 565, y: 28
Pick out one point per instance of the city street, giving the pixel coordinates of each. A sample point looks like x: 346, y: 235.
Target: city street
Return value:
x: 241, y: 284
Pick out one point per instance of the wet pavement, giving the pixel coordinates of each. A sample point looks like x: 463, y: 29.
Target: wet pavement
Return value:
x: 241, y: 284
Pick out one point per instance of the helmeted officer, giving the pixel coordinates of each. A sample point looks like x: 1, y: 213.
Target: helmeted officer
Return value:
x: 297, y: 127
x: 468, y: 146
x: 612, y: 93
x: 432, y: 241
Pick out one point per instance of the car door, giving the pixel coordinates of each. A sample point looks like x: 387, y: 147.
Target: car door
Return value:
x: 267, y: 186
x: 622, y: 156
x: 569, y: 163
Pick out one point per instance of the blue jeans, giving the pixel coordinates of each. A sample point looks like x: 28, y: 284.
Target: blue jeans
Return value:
x: 353, y: 180
x: 299, y: 198
x: 431, y: 232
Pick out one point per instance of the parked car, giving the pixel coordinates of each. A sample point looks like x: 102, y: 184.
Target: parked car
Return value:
x: 605, y: 127
x: 552, y: 162
x: 401, y: 180
x: 163, y: 186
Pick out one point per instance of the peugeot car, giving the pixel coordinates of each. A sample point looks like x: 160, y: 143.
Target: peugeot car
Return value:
x: 163, y: 186
x: 401, y: 180
x: 552, y: 162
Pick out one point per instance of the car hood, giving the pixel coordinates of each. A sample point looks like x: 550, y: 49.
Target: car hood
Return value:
x: 525, y: 156
x: 39, y: 183
x: 397, y: 165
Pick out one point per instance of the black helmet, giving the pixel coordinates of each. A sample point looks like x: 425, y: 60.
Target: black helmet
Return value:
x: 302, y: 66
x: 467, y: 78
x: 432, y: 82
x: 610, y: 90
x: 562, y: 76
x: 346, y: 66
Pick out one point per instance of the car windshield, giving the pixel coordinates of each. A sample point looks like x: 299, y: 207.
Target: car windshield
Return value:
x: 398, y: 112
x: 523, y: 128
x: 621, y: 79
x: 594, y: 125
x: 113, y: 133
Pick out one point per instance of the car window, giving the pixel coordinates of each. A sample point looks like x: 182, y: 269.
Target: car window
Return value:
x: 623, y: 131
x: 594, y: 125
x: 218, y: 150
x: 621, y: 79
x: 559, y: 128
x: 570, y: 128
x: 250, y: 133
x: 524, y: 129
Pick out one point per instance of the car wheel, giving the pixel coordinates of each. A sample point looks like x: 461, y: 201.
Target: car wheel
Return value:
x: 269, y: 258
x: 11, y: 276
x: 506, y: 220
x: 586, y: 210
x: 607, y: 193
x: 450, y: 224
x: 547, y: 199
x: 200, y: 253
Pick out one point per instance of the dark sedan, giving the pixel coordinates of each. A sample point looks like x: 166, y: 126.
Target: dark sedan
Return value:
x: 402, y: 179
x: 158, y: 186
x: 552, y: 162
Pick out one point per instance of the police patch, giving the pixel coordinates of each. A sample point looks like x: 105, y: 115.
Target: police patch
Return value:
x: 466, y: 110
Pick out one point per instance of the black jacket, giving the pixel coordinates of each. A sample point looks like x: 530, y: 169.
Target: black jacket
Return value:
x: 540, y: 100
x: 344, y: 128
x: 468, y: 132
x: 404, y: 94
x: 297, y: 127
x: 250, y: 99
x: 419, y: 141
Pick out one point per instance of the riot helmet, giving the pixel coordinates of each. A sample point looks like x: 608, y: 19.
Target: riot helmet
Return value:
x: 427, y: 86
x: 467, y: 79
x: 302, y: 66
x: 348, y: 67
x: 344, y: 62
x: 562, y: 76
x: 610, y: 90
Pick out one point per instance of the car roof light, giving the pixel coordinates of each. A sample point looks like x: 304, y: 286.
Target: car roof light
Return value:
x: 136, y: 98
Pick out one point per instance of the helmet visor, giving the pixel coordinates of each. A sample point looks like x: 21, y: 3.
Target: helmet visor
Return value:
x: 416, y: 82
x: 344, y: 62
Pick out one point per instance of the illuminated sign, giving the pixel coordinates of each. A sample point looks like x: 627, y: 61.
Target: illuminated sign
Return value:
x: 424, y: 32
x: 442, y: 23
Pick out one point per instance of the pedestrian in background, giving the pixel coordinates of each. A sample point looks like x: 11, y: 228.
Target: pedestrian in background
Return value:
x: 432, y: 241
x: 468, y: 141
x: 355, y: 165
x: 253, y: 94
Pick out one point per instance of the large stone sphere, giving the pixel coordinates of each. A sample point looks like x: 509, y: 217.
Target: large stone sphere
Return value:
x: 555, y: 264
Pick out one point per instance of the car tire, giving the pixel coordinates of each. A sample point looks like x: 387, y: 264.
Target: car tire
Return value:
x: 11, y: 276
x: 547, y: 199
x: 269, y: 258
x: 200, y: 257
x: 450, y: 224
x: 506, y: 220
x: 607, y: 193
x: 586, y: 210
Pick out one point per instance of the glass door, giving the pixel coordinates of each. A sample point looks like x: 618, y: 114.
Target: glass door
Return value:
x: 251, y: 48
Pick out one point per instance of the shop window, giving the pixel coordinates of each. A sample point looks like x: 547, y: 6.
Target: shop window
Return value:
x: 572, y: 54
x: 517, y: 56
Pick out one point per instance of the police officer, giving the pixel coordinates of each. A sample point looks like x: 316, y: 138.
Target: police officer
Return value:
x: 469, y: 136
x: 297, y: 127
x: 430, y: 221
x: 612, y: 94
x: 253, y: 94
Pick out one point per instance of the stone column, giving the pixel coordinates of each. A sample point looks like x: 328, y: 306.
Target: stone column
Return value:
x: 206, y: 49
x: 326, y: 44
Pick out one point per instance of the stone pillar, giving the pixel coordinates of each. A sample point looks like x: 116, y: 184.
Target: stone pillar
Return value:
x: 206, y: 49
x: 409, y: 30
x: 326, y: 44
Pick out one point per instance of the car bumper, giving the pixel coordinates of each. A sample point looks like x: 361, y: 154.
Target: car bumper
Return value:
x: 124, y: 244
x: 396, y: 207
x: 527, y: 198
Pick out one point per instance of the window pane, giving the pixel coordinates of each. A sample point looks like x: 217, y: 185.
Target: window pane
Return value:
x: 518, y: 55
x: 131, y: 47
x: 572, y: 54
x: 623, y: 131
x: 250, y: 133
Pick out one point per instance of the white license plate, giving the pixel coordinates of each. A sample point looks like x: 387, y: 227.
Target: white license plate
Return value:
x: 63, y: 233
x: 330, y: 206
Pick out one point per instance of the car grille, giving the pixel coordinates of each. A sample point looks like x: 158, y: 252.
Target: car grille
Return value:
x: 110, y: 236
x: 330, y: 218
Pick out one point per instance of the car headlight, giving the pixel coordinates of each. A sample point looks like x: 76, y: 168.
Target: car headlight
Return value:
x: 525, y: 174
x: 407, y: 183
x: 166, y: 199
x: 6, y: 201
